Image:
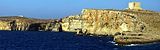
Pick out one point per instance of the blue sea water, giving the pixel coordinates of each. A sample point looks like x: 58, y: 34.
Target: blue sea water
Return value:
x: 34, y: 40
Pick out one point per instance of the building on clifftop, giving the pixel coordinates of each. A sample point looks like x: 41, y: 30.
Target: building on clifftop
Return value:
x: 134, y: 6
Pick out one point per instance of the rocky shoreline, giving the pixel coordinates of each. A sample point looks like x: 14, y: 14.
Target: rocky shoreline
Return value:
x: 17, y: 23
x: 105, y: 22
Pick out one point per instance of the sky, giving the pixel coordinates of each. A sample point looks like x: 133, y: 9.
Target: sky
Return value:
x: 54, y: 9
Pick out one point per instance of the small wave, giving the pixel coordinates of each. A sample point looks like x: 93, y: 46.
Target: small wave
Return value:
x: 139, y: 44
x: 123, y: 45
x: 127, y: 45
x: 133, y: 45
x: 116, y: 44
x: 112, y: 42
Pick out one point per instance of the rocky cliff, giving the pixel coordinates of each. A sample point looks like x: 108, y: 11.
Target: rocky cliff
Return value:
x: 91, y: 21
x: 71, y: 23
x: 109, y: 22
x: 127, y: 26
x: 16, y: 23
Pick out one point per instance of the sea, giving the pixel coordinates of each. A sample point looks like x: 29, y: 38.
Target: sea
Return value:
x: 39, y: 40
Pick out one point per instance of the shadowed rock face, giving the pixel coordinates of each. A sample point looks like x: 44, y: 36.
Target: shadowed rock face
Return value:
x: 19, y: 26
x: 108, y: 22
x: 45, y: 27
x: 16, y: 23
x: 35, y: 27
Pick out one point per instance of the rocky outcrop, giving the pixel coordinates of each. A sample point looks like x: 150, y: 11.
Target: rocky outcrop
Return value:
x: 45, y: 27
x: 16, y: 23
x: 105, y: 22
x: 131, y: 25
x: 71, y: 23
x: 109, y: 21
x: 91, y: 21
x: 4, y: 25
x: 127, y: 26
x: 150, y: 18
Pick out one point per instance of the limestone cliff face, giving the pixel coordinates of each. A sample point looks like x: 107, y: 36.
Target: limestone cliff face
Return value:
x: 4, y: 25
x: 150, y: 18
x: 91, y: 21
x: 71, y: 23
x: 109, y: 22
x: 15, y: 23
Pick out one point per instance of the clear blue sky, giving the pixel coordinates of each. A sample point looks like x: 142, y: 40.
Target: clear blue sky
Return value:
x: 61, y: 8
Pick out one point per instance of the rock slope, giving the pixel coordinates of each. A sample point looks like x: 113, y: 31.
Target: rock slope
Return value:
x: 16, y: 23
x: 131, y: 26
x: 108, y: 22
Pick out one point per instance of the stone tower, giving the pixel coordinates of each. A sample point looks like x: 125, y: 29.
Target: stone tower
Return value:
x: 134, y: 6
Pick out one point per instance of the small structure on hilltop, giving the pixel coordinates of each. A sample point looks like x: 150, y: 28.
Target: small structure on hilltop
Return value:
x: 134, y: 6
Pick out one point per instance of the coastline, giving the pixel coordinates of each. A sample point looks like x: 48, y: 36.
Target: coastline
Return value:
x: 95, y: 22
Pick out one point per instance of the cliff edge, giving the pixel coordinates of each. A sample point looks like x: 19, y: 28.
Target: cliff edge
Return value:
x: 124, y: 25
x: 17, y: 23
